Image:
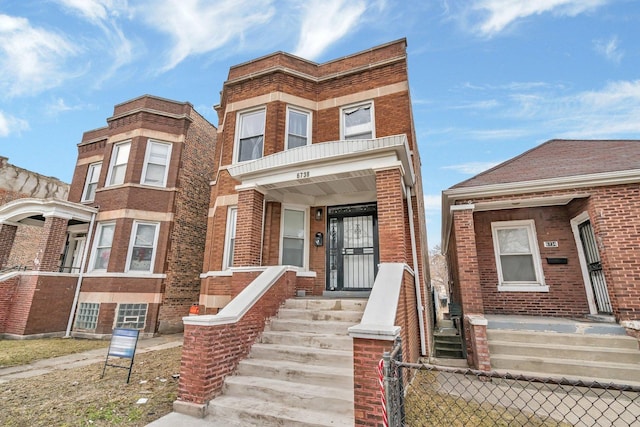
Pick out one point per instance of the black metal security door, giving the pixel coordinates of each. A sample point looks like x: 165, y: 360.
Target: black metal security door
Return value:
x: 352, y: 249
x: 596, y: 275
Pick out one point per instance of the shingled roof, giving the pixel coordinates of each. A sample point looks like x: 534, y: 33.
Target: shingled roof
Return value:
x: 559, y: 158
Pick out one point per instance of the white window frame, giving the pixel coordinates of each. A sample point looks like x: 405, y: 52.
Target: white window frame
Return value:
x: 112, y: 164
x: 520, y: 286
x: 96, y: 239
x: 230, y: 234
x: 291, y: 109
x: 88, y: 181
x: 154, y: 247
x: 305, y: 244
x: 239, y: 118
x: 124, y: 323
x: 147, y: 161
x: 347, y: 108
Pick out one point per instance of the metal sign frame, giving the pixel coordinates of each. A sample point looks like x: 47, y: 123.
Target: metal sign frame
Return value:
x: 123, y: 345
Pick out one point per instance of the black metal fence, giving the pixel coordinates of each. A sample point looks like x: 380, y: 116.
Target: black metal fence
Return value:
x: 443, y: 396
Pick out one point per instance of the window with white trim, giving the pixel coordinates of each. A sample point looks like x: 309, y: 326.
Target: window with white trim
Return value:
x: 144, y: 236
x: 230, y: 241
x: 156, y: 164
x: 131, y: 316
x: 102, y: 246
x: 298, y: 128
x: 357, y: 122
x: 87, y: 317
x: 517, y: 256
x: 118, y: 165
x: 91, y: 183
x: 293, y: 237
x: 250, y: 135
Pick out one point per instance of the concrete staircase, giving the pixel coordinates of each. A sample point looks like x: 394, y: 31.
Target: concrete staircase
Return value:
x: 299, y: 374
x: 563, y: 348
x: 447, y: 341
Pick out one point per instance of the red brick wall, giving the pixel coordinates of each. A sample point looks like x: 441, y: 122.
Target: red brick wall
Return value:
x: 7, y: 237
x: 367, y: 395
x: 51, y: 244
x: 210, y: 353
x: 391, y: 218
x: 249, y: 229
x: 51, y: 304
x: 16, y: 322
x: 8, y: 289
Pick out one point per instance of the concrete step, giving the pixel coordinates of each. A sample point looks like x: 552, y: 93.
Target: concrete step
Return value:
x: 351, y: 304
x: 320, y: 315
x: 585, y: 340
x: 308, y: 339
x: 291, y: 394
x: 318, y: 327
x: 602, y: 355
x: 617, y: 372
x: 554, y: 324
x: 297, y: 372
x: 299, y: 354
x: 255, y: 412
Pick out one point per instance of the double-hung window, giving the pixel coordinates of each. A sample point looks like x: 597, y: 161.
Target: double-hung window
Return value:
x: 91, y: 183
x: 293, y: 237
x: 250, y: 140
x: 144, y: 236
x: 357, y: 122
x: 230, y: 242
x: 156, y: 164
x: 118, y: 166
x: 517, y: 256
x: 298, y: 128
x: 102, y: 251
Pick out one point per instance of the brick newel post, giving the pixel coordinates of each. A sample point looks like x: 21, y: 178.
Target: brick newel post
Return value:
x: 7, y: 236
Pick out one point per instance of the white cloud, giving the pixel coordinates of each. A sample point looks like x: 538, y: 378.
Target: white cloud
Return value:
x: 432, y: 202
x: 471, y: 168
x: 326, y: 21
x: 198, y: 26
x: 609, y: 49
x: 476, y: 105
x: 31, y: 59
x: 10, y: 125
x: 497, y: 15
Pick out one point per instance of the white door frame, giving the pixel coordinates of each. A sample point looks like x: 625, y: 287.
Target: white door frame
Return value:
x: 575, y: 222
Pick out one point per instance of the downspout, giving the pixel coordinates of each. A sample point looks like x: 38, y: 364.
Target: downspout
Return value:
x: 80, y: 275
x: 416, y: 277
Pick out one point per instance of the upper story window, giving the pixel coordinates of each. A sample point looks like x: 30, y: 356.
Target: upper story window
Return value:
x: 102, y: 246
x: 357, y: 122
x: 250, y: 135
x: 142, y: 246
x: 118, y: 166
x: 230, y: 241
x: 293, y: 237
x: 298, y: 128
x: 91, y: 183
x: 517, y: 256
x: 156, y: 164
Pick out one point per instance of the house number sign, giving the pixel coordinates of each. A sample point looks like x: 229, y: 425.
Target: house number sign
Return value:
x: 303, y: 174
x: 553, y: 244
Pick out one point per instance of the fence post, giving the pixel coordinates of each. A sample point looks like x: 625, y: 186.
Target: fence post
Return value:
x: 386, y: 359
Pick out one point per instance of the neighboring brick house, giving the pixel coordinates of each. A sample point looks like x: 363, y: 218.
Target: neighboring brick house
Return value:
x: 552, y: 232
x: 19, y: 183
x: 136, y: 215
x: 317, y: 169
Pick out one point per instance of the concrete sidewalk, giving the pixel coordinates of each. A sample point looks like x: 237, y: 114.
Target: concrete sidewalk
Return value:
x: 77, y: 360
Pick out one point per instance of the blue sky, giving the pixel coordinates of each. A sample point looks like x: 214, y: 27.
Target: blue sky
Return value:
x: 489, y: 78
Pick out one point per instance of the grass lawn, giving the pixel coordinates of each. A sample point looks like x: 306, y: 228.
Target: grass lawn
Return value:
x: 22, y: 352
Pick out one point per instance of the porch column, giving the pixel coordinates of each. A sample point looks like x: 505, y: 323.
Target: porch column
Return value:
x: 248, y: 242
x: 7, y: 236
x: 51, y: 244
x: 391, y: 216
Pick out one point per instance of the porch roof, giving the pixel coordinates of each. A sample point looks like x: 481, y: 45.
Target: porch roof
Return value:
x: 323, y: 171
x: 30, y: 211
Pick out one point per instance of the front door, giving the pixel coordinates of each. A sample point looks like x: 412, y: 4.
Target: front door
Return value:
x: 352, y: 249
x: 594, y: 266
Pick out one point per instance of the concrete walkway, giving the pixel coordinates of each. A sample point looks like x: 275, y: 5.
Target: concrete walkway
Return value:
x: 77, y: 360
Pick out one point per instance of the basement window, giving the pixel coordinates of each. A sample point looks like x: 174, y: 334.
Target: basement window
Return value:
x: 131, y: 316
x: 87, y: 316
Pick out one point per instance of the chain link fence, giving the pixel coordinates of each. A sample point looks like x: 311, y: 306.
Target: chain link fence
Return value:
x: 418, y: 395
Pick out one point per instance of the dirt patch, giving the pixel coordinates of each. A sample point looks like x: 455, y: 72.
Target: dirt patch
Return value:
x: 79, y: 397
x: 22, y: 352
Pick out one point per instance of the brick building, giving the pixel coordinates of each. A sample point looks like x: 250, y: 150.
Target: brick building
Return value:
x: 552, y: 232
x: 316, y: 190
x: 135, y: 218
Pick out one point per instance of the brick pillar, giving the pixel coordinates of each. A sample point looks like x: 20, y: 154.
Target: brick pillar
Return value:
x: 391, y: 216
x: 7, y: 236
x: 248, y: 229
x: 477, y: 332
x: 51, y: 244
x: 366, y: 390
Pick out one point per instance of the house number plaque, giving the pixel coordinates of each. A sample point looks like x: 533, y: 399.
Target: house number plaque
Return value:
x: 553, y: 244
x: 303, y: 174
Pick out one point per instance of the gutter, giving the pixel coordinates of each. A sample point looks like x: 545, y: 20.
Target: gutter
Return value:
x: 416, y: 277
